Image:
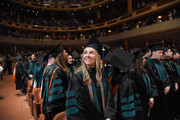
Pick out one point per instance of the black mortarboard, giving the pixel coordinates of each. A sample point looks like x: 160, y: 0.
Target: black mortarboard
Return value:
x: 156, y: 47
x: 174, y: 51
x: 165, y: 49
x: 41, y: 60
x: 145, y: 50
x: 19, y: 57
x: 137, y: 54
x: 54, y: 52
x: 121, y: 59
x: 75, y: 54
x: 96, y: 44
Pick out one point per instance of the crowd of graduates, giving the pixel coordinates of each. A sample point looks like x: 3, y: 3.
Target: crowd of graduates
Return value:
x: 101, y: 83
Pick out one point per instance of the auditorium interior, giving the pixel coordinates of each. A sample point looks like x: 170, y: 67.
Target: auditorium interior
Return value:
x: 39, y: 25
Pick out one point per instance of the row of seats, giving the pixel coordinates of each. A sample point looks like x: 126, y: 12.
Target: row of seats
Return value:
x: 37, y: 104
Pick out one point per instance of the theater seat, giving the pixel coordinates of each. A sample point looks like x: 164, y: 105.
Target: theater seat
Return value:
x: 31, y: 103
x: 60, y: 116
x: 36, y: 103
x: 41, y: 116
x: 29, y: 90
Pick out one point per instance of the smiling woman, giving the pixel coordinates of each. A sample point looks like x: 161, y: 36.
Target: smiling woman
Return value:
x: 89, y: 95
x: 89, y: 57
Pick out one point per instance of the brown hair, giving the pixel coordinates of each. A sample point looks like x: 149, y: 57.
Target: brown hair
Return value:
x: 138, y: 66
x: 60, y: 60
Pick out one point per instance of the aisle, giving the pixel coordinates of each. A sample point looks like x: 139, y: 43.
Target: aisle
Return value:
x: 12, y: 107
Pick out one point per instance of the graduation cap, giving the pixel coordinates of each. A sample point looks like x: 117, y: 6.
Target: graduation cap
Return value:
x: 96, y: 44
x: 156, y: 47
x: 121, y: 59
x: 165, y: 49
x: 41, y: 60
x: 137, y: 54
x: 19, y: 57
x: 54, y: 52
x: 174, y: 51
x: 75, y: 54
x: 145, y: 50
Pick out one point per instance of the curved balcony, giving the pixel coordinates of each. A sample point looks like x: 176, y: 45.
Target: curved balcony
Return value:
x: 168, y: 29
x: 128, y: 17
x: 65, y: 8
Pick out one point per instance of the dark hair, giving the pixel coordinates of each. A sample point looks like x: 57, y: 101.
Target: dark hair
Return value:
x: 61, y: 61
x: 138, y: 66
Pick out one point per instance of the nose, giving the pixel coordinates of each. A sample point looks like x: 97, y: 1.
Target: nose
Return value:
x: 88, y: 54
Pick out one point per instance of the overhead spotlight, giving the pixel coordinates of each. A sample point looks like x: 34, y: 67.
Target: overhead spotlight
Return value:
x: 42, y: 9
x: 107, y: 6
x: 21, y: 8
x: 37, y: 12
x: 90, y: 8
x: 109, y: 31
x: 2, y: 3
x: 74, y: 10
x: 8, y: 5
x: 99, y: 5
x: 28, y: 10
x: 113, y: 0
x: 72, y: 13
x: 33, y: 11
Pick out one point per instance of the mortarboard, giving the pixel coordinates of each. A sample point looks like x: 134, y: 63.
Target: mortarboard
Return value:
x: 145, y: 50
x: 174, y: 51
x: 156, y: 47
x: 75, y: 54
x: 137, y: 54
x: 121, y: 59
x: 41, y: 60
x: 19, y: 57
x: 102, y: 49
x: 165, y: 49
x: 54, y: 52
x: 96, y: 44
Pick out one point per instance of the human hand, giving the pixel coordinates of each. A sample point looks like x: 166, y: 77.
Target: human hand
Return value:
x: 176, y: 87
x: 166, y: 90
x: 31, y: 76
x: 151, y: 103
x: 108, y: 119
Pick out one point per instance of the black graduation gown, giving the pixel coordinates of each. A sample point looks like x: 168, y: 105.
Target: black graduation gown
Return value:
x: 129, y: 104
x: 19, y: 74
x: 55, y: 101
x: 78, y: 101
x: 176, y: 67
x: 146, y: 89
x: 72, y: 69
x: 160, y: 109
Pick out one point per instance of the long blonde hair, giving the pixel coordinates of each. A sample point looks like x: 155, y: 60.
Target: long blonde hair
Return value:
x: 84, y: 69
x: 60, y: 60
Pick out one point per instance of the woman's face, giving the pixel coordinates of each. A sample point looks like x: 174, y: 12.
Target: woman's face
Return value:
x: 65, y: 55
x: 70, y: 59
x: 89, y: 57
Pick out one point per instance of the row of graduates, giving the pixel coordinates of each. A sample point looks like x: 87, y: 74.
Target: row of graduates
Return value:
x: 130, y: 87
